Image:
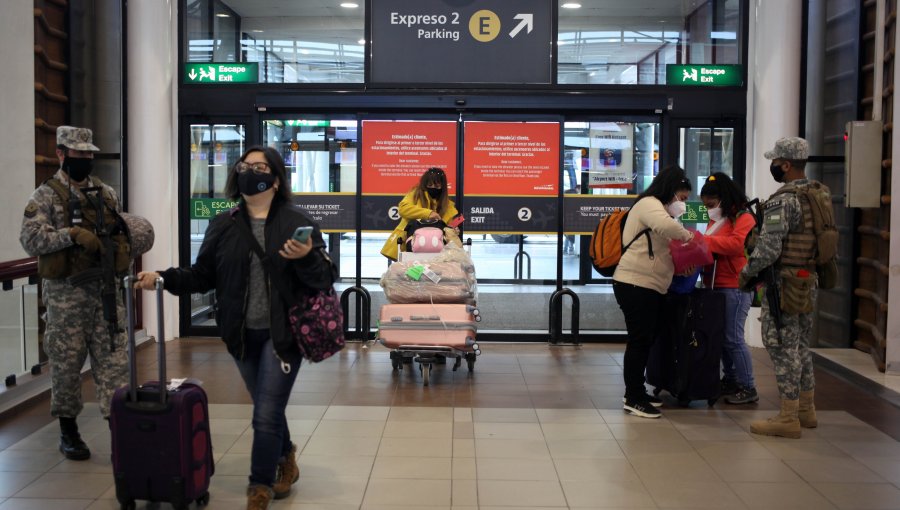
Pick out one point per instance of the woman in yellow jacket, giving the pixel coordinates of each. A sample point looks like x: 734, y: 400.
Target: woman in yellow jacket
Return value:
x: 426, y: 201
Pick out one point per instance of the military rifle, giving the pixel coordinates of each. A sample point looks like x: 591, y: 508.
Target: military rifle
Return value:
x: 766, y: 276
x: 106, y: 273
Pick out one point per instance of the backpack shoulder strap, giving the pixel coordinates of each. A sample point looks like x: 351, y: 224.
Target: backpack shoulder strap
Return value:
x: 645, y: 232
x: 63, y: 193
x: 59, y: 188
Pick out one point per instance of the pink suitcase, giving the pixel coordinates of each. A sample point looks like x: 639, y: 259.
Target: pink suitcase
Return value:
x: 429, y: 333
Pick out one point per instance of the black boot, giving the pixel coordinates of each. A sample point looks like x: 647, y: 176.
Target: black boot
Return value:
x: 70, y: 443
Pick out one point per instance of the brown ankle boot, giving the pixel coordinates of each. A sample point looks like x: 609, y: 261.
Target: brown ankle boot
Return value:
x: 288, y: 473
x: 807, y: 414
x: 259, y: 497
x: 786, y: 424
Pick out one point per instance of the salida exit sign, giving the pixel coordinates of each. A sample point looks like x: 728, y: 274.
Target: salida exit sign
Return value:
x: 222, y: 73
x: 705, y: 75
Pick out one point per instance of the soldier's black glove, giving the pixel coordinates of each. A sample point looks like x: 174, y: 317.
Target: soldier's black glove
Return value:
x: 87, y: 239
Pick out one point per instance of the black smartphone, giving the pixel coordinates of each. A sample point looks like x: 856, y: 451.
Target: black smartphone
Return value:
x: 302, y: 234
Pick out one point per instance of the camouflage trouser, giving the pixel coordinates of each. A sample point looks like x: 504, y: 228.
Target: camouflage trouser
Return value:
x: 76, y: 328
x: 789, y: 350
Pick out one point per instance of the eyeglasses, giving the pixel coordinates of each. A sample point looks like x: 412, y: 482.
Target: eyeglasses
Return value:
x: 260, y: 167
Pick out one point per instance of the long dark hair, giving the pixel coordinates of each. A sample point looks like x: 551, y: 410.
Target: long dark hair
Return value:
x: 730, y: 195
x: 432, y: 176
x: 667, y: 182
x: 276, y: 166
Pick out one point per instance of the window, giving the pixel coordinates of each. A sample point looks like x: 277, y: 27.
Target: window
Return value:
x: 293, y: 42
x: 629, y: 43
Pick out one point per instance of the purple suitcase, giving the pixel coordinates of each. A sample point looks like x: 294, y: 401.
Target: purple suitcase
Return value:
x: 161, y: 444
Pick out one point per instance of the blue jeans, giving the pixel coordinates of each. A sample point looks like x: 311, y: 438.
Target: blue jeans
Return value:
x: 736, y: 363
x: 270, y: 389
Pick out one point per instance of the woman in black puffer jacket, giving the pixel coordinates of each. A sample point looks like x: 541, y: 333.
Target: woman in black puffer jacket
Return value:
x: 250, y: 312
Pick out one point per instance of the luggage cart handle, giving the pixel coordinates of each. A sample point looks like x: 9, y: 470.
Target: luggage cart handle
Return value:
x: 161, y: 340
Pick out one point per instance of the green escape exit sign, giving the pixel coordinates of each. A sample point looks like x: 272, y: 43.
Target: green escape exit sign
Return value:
x: 695, y: 213
x: 222, y: 72
x: 705, y: 75
x: 208, y: 208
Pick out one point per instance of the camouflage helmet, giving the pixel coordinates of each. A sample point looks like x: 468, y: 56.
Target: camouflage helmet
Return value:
x: 76, y: 138
x: 140, y: 233
x: 794, y: 148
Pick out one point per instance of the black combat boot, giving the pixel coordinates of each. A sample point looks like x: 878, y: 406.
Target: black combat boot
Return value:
x: 70, y: 443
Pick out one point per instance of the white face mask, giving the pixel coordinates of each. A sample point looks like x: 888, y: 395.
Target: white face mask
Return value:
x: 676, y: 208
x: 715, y: 213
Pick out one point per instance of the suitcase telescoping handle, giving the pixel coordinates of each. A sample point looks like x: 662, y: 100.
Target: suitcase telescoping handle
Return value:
x: 161, y: 341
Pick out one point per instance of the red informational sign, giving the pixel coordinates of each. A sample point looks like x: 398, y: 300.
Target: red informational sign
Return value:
x: 512, y: 158
x: 395, y: 154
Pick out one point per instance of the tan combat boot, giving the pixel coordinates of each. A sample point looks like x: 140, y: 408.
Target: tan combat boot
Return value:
x: 807, y: 414
x: 288, y: 473
x: 259, y: 497
x: 786, y: 424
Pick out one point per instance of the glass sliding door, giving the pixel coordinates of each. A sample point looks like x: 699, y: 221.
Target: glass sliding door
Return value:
x: 212, y: 150
x: 704, y: 151
x: 320, y: 154
x: 605, y: 164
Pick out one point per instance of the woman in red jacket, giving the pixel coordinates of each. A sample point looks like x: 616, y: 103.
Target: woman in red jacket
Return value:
x: 728, y: 228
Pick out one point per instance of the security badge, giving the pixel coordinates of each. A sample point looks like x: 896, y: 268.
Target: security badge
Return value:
x: 31, y: 209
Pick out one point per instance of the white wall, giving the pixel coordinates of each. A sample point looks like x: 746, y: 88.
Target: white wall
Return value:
x: 17, y: 129
x: 152, y: 139
x: 773, y: 100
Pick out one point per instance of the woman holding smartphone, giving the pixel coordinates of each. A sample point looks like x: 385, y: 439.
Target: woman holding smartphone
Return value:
x: 250, y: 313
x: 428, y: 201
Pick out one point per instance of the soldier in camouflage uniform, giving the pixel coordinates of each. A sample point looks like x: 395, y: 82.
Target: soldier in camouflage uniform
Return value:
x: 75, y: 322
x: 784, y: 244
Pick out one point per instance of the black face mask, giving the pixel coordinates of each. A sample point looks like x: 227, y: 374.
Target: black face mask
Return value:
x: 250, y: 183
x: 777, y: 172
x: 77, y: 168
x: 434, y: 192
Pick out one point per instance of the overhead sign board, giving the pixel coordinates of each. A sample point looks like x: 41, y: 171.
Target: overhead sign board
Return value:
x: 221, y: 73
x: 705, y: 75
x: 448, y: 41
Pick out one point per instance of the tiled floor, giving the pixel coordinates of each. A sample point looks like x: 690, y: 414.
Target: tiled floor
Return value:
x: 532, y: 428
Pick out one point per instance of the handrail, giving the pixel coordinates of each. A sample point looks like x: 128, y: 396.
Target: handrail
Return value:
x: 16, y: 269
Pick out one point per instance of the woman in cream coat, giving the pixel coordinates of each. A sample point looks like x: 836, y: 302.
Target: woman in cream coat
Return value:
x: 641, y: 280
